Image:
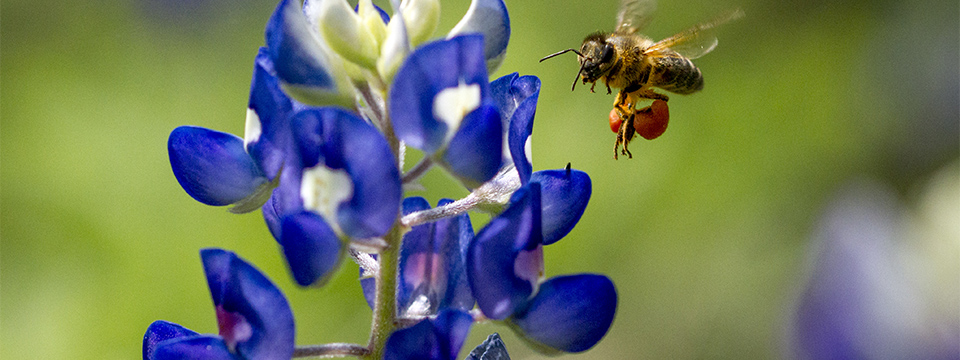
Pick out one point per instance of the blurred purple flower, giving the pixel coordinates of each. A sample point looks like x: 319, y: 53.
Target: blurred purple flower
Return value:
x: 863, y: 299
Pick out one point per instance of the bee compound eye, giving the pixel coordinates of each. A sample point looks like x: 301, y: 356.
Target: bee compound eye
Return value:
x: 607, y: 54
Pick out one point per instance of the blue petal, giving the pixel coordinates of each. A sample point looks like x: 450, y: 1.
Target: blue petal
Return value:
x: 311, y: 248
x: 500, y: 283
x: 203, y: 347
x: 295, y: 49
x: 160, y: 331
x: 285, y: 200
x: 273, y: 147
x: 474, y: 153
x: 569, y: 313
x: 418, y: 342
x: 455, y: 234
x: 416, y: 257
x: 341, y: 140
x: 510, y: 91
x: 383, y: 14
x: 425, y: 73
x: 452, y: 328
x: 253, y: 315
x: 516, y: 97
x: 492, y: 348
x: 565, y: 194
x: 490, y: 18
x: 212, y: 166
x: 413, y: 204
x: 436, y: 339
x: 432, y: 262
x: 271, y: 215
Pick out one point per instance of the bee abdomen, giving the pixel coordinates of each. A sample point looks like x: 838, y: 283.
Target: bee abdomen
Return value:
x: 676, y: 74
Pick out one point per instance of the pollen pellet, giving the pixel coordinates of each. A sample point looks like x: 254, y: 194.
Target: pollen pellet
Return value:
x: 650, y: 122
x: 615, y: 121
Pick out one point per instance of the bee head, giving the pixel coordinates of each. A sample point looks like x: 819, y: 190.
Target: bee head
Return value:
x: 597, y: 56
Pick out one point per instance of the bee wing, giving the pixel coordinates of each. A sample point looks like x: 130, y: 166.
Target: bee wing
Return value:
x: 634, y: 15
x: 696, y: 41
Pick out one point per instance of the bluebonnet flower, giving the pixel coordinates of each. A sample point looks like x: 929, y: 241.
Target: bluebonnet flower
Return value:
x: 337, y: 95
x: 505, y: 269
x: 438, y: 338
x: 305, y: 66
x: 446, y: 111
x: 432, y: 272
x: 351, y: 184
x: 516, y: 98
x: 253, y: 315
x: 569, y: 313
x: 213, y: 166
x: 217, y: 168
x: 432, y: 285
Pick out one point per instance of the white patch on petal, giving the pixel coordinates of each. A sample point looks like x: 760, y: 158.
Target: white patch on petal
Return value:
x: 507, y: 158
x: 501, y: 306
x: 419, y: 307
x: 323, y: 190
x: 528, y: 149
x: 452, y: 104
x: 252, y: 129
x: 403, y: 153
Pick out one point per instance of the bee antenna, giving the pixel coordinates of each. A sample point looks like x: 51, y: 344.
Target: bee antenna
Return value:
x: 576, y: 78
x: 561, y: 52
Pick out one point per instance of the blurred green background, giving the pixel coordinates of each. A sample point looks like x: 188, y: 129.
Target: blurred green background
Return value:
x: 705, y: 231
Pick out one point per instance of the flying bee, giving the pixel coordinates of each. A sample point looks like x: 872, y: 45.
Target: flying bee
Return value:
x: 635, y: 64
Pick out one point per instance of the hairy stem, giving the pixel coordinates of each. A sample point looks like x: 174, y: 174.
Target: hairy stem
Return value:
x: 330, y: 350
x: 385, y: 305
x: 441, y: 212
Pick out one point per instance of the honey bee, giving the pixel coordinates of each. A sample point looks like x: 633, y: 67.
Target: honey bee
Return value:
x: 635, y: 64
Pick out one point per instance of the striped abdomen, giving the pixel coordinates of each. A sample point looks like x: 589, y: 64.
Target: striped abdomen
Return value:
x: 676, y: 74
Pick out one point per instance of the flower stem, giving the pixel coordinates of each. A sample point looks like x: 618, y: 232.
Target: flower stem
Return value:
x: 417, y: 171
x: 385, y: 305
x: 330, y: 350
x: 441, y: 212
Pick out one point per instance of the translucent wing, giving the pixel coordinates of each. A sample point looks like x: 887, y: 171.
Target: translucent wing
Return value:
x: 696, y: 41
x: 634, y: 15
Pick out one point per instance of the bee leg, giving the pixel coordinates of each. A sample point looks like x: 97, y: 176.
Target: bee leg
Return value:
x: 624, y: 136
x: 608, y: 89
x: 616, y: 145
x: 593, y: 85
x: 622, y: 104
x: 629, y: 132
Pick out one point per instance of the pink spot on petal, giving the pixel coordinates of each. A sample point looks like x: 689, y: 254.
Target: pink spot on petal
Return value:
x: 425, y: 269
x: 234, y: 328
x: 415, y: 270
x: 529, y: 265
